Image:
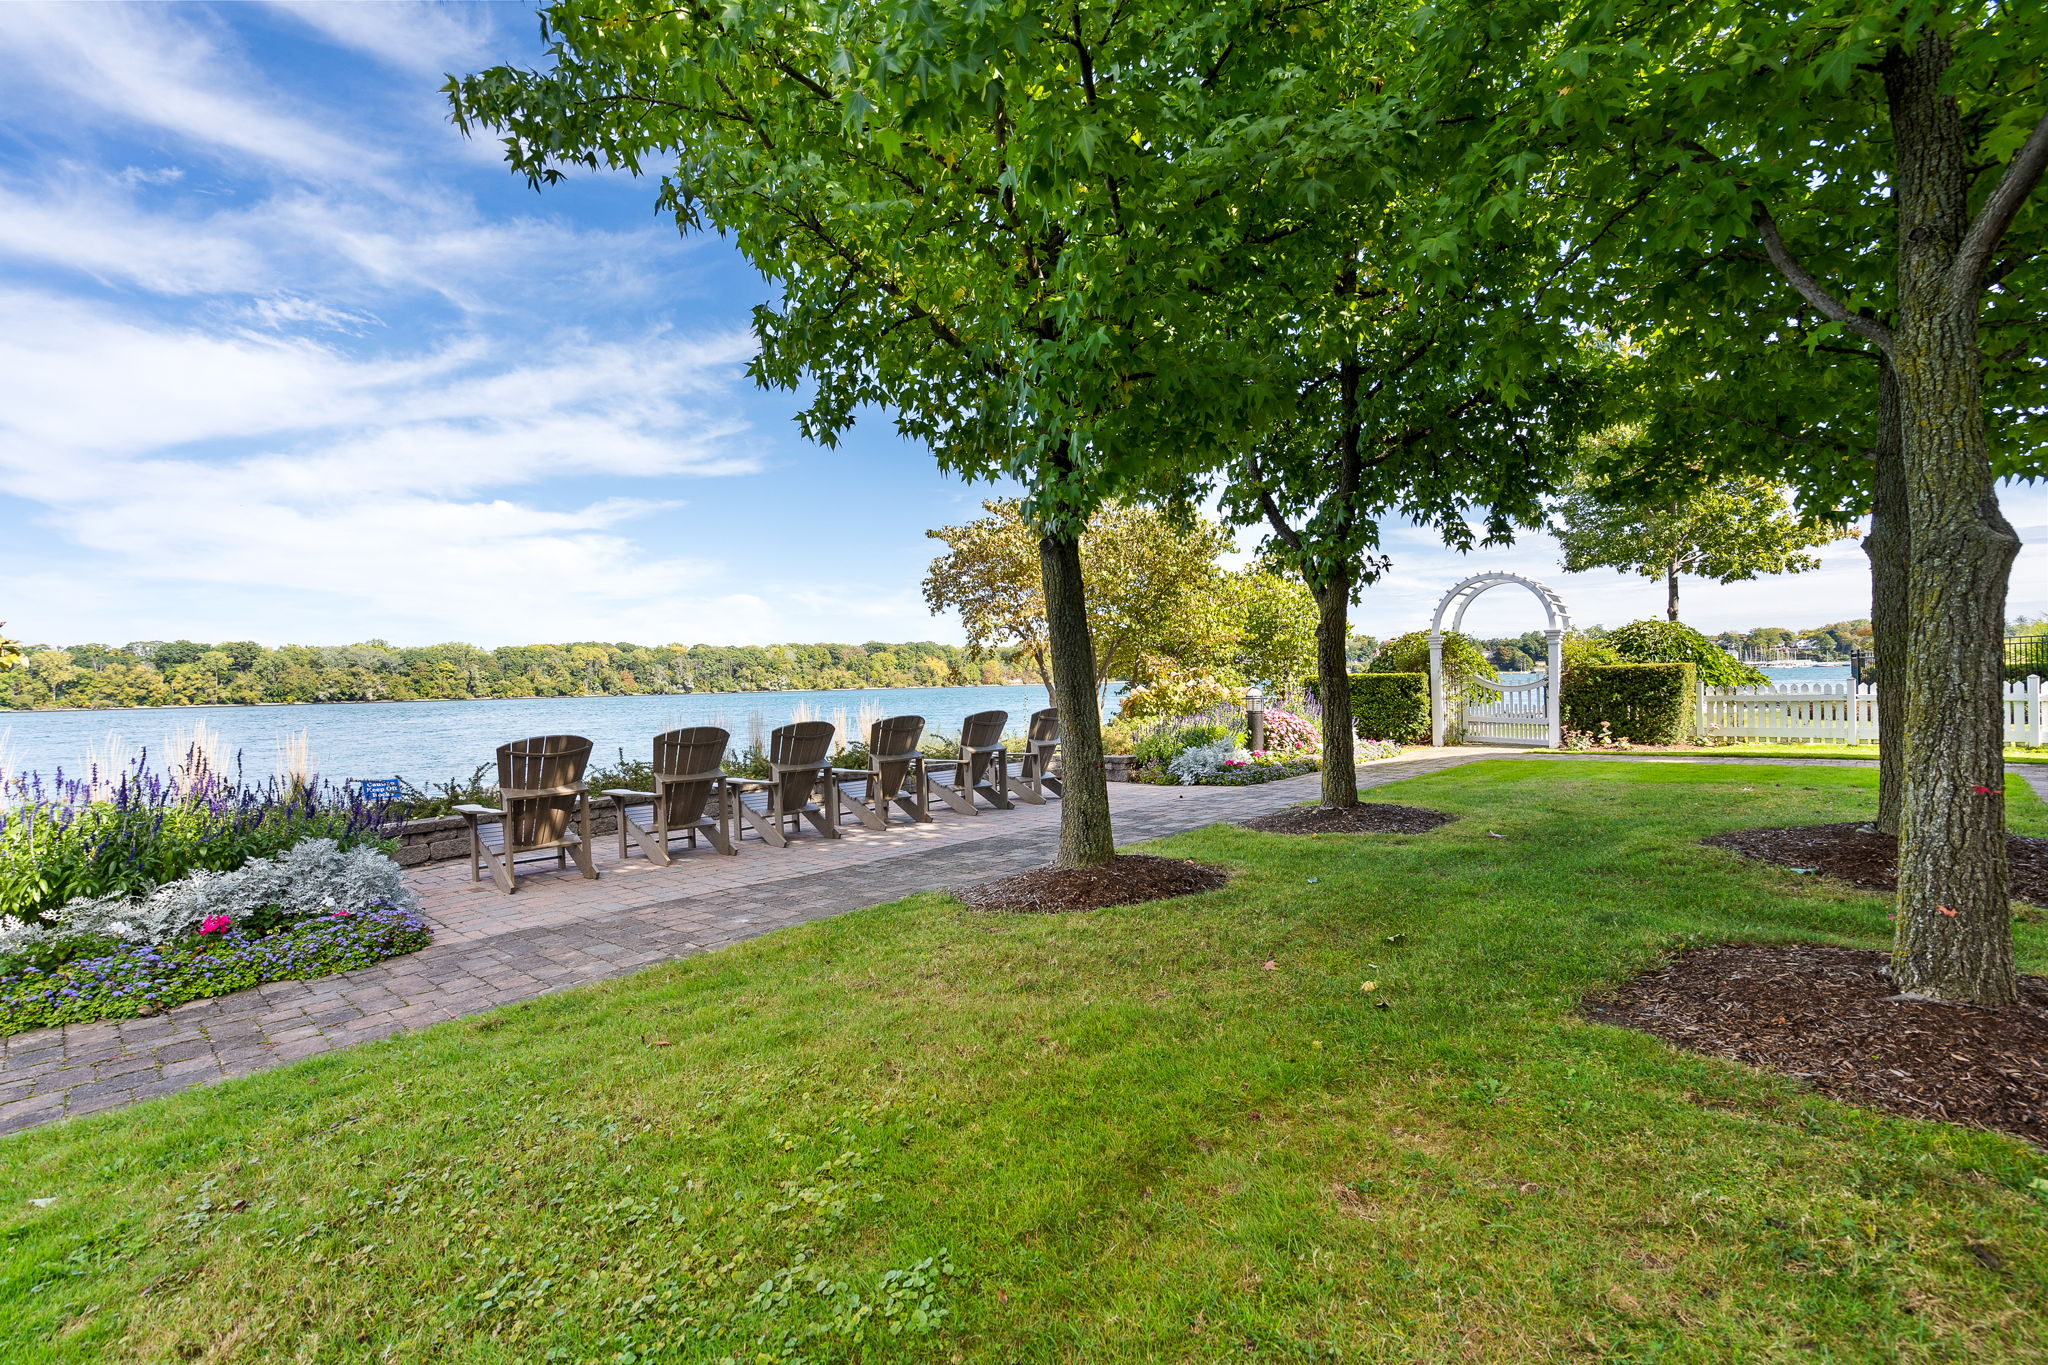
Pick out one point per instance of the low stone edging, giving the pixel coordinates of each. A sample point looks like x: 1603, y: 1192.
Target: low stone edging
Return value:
x: 445, y: 838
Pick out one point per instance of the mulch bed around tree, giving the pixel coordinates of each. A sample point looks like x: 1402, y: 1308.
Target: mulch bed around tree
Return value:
x: 1365, y: 818
x: 1853, y: 854
x: 1827, y: 1016
x: 1129, y: 879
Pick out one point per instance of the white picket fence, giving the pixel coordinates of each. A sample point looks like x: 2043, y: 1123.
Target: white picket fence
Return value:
x: 1842, y: 712
x: 1508, y: 713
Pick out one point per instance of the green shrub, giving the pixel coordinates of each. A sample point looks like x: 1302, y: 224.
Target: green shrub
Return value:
x: 1670, y: 642
x: 1391, y: 706
x: 1645, y: 703
x: 1464, y: 660
x: 1166, y: 744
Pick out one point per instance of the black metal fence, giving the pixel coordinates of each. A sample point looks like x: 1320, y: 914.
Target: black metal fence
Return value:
x: 2025, y: 656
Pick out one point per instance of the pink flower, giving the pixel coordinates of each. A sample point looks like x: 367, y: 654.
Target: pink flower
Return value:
x: 338, y: 914
x: 214, y: 924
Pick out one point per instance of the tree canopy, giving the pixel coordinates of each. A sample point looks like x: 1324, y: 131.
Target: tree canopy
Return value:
x: 1160, y: 603
x: 1727, y: 530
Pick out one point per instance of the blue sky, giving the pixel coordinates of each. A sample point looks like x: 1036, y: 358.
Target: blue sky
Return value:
x: 284, y: 357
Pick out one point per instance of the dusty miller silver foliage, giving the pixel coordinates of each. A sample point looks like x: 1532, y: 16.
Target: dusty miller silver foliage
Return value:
x: 310, y: 880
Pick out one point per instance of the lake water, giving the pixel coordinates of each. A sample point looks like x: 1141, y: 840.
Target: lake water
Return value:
x: 1777, y: 673
x: 433, y: 741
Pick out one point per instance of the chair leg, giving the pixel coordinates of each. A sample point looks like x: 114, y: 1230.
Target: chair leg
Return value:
x: 502, y: 871
x: 951, y: 795
x: 768, y: 824
x: 581, y: 852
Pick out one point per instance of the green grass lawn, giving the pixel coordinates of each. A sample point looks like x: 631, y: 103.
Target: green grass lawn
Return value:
x: 1766, y: 749
x: 920, y: 1134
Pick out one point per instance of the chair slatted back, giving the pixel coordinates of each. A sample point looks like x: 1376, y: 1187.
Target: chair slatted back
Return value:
x: 538, y: 779
x: 1041, y: 742
x: 982, y: 730
x: 686, y: 770
x: 797, y: 752
x: 892, y: 744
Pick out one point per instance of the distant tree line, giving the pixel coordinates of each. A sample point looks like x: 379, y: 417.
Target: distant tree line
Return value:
x: 1520, y: 653
x: 242, y: 672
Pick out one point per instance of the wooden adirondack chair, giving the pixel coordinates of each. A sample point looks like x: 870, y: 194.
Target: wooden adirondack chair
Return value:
x: 982, y: 767
x: 1030, y: 774
x: 800, y: 774
x: 895, y: 774
x: 689, y: 796
x: 546, y: 809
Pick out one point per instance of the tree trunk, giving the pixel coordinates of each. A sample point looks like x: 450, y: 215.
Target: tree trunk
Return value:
x: 1671, y: 594
x: 1886, y: 545
x: 1085, y: 837
x: 1333, y: 682
x: 1954, y: 937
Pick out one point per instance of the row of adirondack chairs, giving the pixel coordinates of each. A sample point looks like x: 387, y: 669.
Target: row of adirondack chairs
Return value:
x: 546, y: 807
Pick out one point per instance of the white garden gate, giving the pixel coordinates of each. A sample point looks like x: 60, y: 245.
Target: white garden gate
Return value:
x: 1512, y: 713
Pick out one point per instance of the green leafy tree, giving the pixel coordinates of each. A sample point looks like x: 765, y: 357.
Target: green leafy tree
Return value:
x: 10, y: 653
x: 1160, y: 604
x: 1727, y: 531
x: 969, y: 214
x: 1867, y: 170
x: 1463, y: 660
x: 1673, y: 642
x: 1434, y: 390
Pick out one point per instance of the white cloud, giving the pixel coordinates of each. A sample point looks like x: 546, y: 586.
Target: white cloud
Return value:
x: 173, y: 455
x: 169, y: 69
x: 107, y: 235
x: 417, y: 38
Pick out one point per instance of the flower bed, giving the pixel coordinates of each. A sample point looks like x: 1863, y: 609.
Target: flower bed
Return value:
x: 67, y: 839
x: 1261, y: 766
x: 314, y: 909
x: 139, y: 978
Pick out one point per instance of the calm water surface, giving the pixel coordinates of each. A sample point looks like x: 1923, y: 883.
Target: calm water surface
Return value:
x: 433, y: 741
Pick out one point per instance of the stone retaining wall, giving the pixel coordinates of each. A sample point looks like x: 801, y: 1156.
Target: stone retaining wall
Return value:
x: 444, y: 838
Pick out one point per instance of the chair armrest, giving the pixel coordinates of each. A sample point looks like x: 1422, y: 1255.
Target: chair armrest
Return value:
x: 476, y: 812
x: 749, y: 781
x: 622, y: 794
x: 854, y: 772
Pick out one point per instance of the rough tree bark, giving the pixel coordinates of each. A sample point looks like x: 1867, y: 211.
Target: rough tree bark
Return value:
x: 1333, y: 687
x: 1086, y: 839
x: 1671, y: 594
x: 1954, y: 938
x: 1886, y: 545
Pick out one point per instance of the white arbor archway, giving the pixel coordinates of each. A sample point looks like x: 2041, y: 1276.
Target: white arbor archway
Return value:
x: 1518, y: 714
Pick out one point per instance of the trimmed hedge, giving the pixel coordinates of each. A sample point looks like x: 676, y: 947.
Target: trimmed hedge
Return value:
x: 1392, y: 706
x: 1646, y: 703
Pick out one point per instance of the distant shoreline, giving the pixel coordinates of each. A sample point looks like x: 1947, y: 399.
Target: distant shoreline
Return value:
x: 417, y: 701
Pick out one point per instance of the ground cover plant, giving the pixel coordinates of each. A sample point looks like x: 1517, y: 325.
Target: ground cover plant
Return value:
x: 118, y: 980
x: 1342, y: 1108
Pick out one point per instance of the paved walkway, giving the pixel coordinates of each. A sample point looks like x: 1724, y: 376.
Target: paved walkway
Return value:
x: 561, y: 931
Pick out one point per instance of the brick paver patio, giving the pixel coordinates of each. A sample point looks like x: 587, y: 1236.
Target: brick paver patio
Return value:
x: 560, y: 931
